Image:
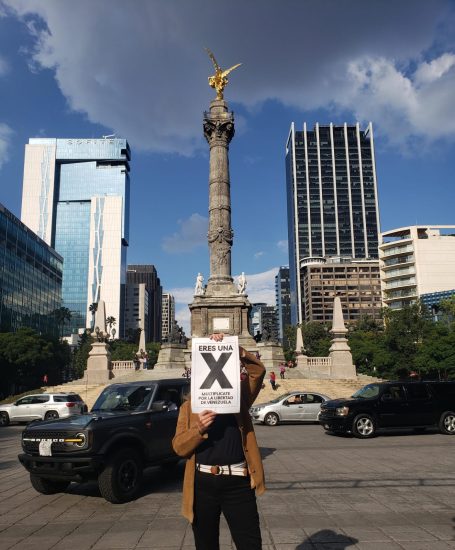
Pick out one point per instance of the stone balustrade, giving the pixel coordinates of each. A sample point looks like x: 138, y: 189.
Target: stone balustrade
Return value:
x: 122, y: 365
x: 319, y: 361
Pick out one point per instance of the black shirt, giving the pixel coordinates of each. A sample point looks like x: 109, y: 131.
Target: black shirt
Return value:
x: 224, y: 444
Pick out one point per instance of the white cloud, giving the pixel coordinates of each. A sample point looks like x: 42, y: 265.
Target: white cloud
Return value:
x: 5, y: 136
x: 257, y: 255
x: 282, y: 245
x: 261, y: 286
x: 429, y: 72
x: 192, y: 234
x: 152, y: 87
x: 182, y: 295
x: 406, y: 106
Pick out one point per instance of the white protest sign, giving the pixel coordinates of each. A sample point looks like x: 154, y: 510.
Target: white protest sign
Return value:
x: 215, y: 375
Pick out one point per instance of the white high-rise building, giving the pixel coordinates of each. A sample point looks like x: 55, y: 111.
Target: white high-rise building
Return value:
x: 416, y: 260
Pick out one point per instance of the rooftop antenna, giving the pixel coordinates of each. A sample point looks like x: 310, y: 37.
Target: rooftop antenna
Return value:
x: 109, y: 136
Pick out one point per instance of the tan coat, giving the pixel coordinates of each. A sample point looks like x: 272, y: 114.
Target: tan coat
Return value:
x: 187, y: 437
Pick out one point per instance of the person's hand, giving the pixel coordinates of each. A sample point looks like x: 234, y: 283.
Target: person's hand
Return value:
x: 205, y: 420
x: 218, y: 337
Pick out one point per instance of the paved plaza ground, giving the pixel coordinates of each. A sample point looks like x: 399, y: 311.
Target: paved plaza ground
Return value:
x: 324, y: 492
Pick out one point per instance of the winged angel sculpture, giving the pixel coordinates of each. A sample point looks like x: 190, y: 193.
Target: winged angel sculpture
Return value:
x: 219, y: 80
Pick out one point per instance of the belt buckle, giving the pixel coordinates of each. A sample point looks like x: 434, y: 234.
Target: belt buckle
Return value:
x: 216, y: 470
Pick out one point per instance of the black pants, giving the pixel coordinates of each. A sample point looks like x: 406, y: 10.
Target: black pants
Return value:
x: 233, y: 496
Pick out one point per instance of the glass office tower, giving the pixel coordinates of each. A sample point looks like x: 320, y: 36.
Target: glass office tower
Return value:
x: 283, y: 301
x: 331, y: 197
x: 30, y: 278
x: 76, y: 197
x: 138, y: 274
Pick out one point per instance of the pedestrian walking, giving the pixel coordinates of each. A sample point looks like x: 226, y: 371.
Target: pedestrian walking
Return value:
x: 45, y: 380
x: 224, y: 467
x: 282, y: 371
x: 273, y: 380
x: 186, y: 372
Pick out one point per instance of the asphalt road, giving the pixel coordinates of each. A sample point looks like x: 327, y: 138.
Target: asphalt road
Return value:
x: 324, y: 492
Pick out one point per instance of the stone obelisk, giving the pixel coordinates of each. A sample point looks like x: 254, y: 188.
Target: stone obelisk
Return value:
x: 221, y: 306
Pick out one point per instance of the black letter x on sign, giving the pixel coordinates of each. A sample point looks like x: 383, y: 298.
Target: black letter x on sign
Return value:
x: 216, y: 371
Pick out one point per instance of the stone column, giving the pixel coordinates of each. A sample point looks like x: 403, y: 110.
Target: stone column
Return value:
x: 340, y: 352
x: 219, y: 130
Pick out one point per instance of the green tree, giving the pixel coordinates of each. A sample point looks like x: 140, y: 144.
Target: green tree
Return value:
x: 80, y: 355
x: 110, y: 322
x: 404, y: 332
x: 435, y: 357
x: 447, y: 306
x: 290, y: 339
x: 62, y: 315
x: 153, y: 349
x: 26, y: 357
x: 316, y: 339
x: 93, y: 309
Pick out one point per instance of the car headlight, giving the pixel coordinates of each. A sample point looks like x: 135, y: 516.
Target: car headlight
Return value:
x: 342, y: 411
x: 79, y: 440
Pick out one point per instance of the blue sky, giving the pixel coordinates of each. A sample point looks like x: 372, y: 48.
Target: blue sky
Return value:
x: 139, y: 69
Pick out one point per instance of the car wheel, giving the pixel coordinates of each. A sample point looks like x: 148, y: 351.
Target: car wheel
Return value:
x: 447, y: 423
x: 4, y: 419
x: 48, y: 486
x: 271, y: 419
x: 51, y: 415
x: 121, y: 478
x: 363, y: 426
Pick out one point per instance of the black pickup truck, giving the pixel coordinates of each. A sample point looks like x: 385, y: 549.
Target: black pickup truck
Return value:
x: 130, y: 427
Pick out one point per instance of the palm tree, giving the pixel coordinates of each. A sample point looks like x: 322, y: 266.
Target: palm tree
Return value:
x: 110, y: 322
x: 62, y: 314
x: 92, y: 308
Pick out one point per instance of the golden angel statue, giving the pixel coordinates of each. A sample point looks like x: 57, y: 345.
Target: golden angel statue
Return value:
x: 219, y: 80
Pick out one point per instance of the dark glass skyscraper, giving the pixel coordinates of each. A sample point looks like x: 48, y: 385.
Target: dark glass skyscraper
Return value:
x: 332, y: 199
x: 147, y: 274
x: 76, y: 196
x: 283, y: 301
x: 30, y: 278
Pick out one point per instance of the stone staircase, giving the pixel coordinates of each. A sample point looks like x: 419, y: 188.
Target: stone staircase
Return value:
x: 294, y: 381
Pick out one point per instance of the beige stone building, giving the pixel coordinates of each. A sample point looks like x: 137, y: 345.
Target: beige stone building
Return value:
x: 356, y: 283
x: 416, y: 260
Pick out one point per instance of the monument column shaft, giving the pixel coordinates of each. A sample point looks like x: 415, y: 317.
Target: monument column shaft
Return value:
x: 219, y: 130
x: 219, y: 212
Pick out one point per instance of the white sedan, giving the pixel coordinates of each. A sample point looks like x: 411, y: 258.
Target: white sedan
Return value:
x: 297, y: 406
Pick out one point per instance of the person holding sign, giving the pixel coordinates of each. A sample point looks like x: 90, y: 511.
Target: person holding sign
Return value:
x: 224, y: 469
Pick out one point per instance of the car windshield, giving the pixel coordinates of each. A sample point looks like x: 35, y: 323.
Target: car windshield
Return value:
x: 277, y: 399
x: 372, y: 390
x: 124, y: 398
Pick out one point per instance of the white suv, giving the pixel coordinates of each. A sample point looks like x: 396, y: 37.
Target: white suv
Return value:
x: 42, y: 406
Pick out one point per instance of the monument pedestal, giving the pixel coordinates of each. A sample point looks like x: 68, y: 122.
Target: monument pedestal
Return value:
x: 222, y: 309
x: 342, y: 366
x: 173, y: 356
x: 271, y: 354
x: 98, y: 364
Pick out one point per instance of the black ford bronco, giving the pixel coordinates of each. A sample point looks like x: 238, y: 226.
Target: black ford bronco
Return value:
x: 130, y: 427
